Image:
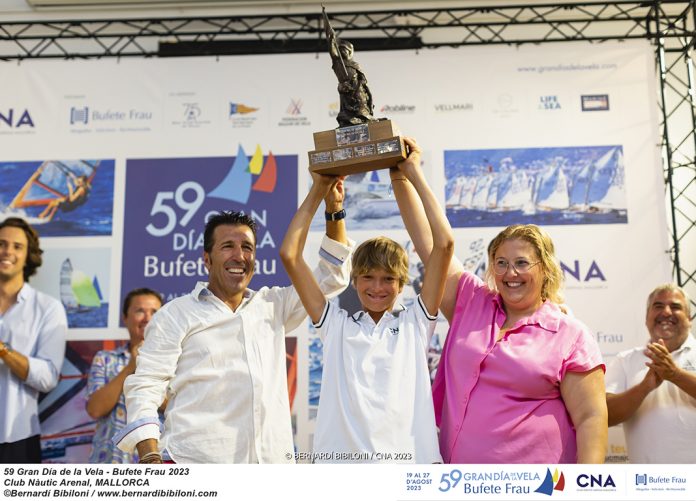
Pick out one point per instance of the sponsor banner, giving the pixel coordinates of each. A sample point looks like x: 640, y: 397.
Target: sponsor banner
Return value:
x: 548, y: 134
x: 596, y: 102
x: 395, y: 481
x: 163, y: 227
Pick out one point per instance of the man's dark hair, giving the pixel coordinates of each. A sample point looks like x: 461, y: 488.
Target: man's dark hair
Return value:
x: 142, y: 291
x: 232, y: 218
x: 34, y: 252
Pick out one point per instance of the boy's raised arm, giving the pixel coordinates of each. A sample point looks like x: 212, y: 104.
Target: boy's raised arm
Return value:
x: 293, y: 244
x: 335, y: 230
x: 435, y: 244
x: 416, y: 223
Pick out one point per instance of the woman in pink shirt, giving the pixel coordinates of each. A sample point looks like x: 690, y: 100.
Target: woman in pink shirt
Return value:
x: 519, y: 381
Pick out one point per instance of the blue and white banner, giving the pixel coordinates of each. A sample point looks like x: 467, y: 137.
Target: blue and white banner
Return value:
x: 564, y: 135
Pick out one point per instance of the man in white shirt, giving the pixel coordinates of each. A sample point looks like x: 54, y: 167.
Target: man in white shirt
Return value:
x: 652, y: 390
x: 219, y: 355
x: 32, y: 343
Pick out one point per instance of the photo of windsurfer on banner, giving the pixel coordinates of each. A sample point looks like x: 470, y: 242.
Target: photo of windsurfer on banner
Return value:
x: 78, y: 191
x: 55, y: 185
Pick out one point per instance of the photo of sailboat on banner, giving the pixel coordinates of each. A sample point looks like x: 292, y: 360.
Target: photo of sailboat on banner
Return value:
x: 82, y: 298
x: 372, y: 196
x: 567, y: 185
x: 56, y: 186
x: 552, y: 189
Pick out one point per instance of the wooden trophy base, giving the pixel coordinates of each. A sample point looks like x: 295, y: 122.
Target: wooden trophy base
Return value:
x: 357, y: 148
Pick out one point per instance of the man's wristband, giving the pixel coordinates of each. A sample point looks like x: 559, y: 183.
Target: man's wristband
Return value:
x: 5, y: 350
x: 335, y: 216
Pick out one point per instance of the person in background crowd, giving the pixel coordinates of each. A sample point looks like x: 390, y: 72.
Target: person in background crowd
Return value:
x: 519, y: 381
x: 652, y: 389
x: 33, y: 327
x: 219, y: 352
x: 110, y: 368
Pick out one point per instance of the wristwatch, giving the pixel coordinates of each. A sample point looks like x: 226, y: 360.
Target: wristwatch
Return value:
x: 6, y: 348
x: 335, y: 216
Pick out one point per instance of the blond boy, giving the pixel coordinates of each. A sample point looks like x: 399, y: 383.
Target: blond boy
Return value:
x: 375, y: 402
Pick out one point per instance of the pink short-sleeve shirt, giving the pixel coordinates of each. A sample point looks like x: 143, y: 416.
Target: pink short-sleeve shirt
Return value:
x: 501, y: 402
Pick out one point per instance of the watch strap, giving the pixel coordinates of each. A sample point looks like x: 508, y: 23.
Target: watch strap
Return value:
x: 335, y: 216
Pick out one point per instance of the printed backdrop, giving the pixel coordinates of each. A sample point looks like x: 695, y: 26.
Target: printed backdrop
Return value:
x: 564, y: 136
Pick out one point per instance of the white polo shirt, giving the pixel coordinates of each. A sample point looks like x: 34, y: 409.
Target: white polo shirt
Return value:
x: 663, y: 429
x: 375, y: 404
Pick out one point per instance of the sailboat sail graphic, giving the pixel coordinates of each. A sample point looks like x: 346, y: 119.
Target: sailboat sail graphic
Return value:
x: 97, y: 289
x: 77, y: 290
x: 237, y: 184
x: 66, y: 294
x: 267, y: 180
x: 256, y: 163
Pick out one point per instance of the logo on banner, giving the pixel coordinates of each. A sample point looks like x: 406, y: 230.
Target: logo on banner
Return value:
x: 660, y: 482
x: 79, y: 115
x: 453, y: 107
x: 492, y: 482
x: 295, y: 107
x: 192, y: 116
x: 406, y: 109
x: 555, y: 482
x: 241, y: 109
x: 294, y: 116
x: 192, y: 113
x: 505, y: 106
x: 110, y: 119
x: 549, y: 103
x: 16, y: 119
x: 242, y: 116
x: 595, y: 102
x: 599, y: 482
x: 246, y: 176
x: 583, y: 272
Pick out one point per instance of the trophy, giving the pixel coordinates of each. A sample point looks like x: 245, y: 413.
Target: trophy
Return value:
x: 361, y: 142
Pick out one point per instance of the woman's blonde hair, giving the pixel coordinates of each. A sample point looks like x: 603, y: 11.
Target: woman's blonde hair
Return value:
x: 380, y: 253
x: 543, y: 245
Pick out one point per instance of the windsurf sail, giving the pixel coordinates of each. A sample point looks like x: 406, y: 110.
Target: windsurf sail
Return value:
x: 52, y: 183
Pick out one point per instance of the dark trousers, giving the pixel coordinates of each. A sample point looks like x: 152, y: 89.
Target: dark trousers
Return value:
x: 22, y: 451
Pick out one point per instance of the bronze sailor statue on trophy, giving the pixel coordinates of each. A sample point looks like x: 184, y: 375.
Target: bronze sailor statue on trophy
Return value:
x: 361, y: 142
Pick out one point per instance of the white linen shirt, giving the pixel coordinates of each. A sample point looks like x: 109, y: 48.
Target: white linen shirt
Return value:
x: 35, y: 326
x: 663, y: 429
x: 375, y: 404
x: 224, y: 372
